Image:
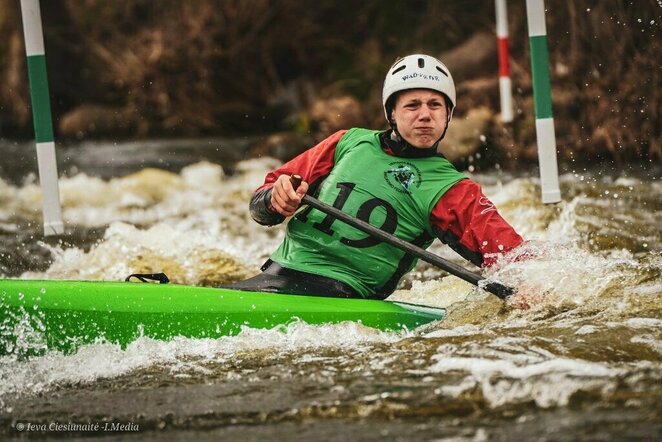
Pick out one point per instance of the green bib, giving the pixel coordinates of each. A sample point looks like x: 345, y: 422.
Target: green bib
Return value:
x: 392, y: 193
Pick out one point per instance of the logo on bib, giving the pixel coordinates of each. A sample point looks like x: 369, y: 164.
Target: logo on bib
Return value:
x: 402, y: 176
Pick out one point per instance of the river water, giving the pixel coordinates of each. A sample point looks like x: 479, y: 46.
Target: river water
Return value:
x: 583, y: 362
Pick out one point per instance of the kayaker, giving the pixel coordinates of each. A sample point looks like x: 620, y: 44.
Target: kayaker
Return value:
x: 394, y: 179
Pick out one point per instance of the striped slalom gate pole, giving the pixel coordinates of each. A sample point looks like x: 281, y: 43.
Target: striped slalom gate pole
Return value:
x: 41, y: 114
x: 505, y: 86
x: 542, y: 98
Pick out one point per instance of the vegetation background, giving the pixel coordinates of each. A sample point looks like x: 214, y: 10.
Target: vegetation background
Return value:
x: 166, y: 68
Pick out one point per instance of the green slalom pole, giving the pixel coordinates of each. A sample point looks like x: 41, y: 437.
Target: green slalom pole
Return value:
x: 542, y: 97
x: 41, y: 114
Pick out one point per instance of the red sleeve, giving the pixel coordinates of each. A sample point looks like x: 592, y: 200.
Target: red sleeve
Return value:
x: 313, y: 164
x: 466, y: 220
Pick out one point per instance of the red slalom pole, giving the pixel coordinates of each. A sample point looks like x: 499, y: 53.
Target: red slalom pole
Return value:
x: 505, y: 86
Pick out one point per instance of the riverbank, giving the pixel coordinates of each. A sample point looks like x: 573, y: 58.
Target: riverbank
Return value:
x: 143, y: 69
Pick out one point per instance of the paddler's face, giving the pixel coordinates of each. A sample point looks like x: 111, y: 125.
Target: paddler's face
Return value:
x: 421, y: 116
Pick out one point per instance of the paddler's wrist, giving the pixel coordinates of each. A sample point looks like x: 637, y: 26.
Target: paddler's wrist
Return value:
x: 261, y: 209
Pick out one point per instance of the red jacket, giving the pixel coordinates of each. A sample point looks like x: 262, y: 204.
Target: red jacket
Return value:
x: 464, y: 218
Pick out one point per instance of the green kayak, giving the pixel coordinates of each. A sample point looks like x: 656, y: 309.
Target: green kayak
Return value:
x: 62, y: 315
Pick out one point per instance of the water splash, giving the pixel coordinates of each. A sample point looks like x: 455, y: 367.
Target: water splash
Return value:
x: 181, y: 356
x: 550, y: 383
x: 194, y: 258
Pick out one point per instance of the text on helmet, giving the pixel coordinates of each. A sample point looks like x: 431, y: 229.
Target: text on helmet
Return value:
x: 422, y: 76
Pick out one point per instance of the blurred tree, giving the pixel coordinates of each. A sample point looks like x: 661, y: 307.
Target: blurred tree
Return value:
x: 164, y: 67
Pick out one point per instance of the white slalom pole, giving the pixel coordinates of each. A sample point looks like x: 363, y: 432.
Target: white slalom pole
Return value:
x: 41, y: 114
x: 542, y: 98
x: 505, y: 86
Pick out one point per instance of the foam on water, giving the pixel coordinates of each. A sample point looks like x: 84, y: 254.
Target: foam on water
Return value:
x: 653, y: 342
x: 187, y: 257
x: 90, y: 363
x: 196, y: 226
x: 559, y: 273
x: 514, y: 369
x: 464, y: 330
x: 549, y: 383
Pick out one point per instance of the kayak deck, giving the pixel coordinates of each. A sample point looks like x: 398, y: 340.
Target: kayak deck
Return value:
x: 63, y: 315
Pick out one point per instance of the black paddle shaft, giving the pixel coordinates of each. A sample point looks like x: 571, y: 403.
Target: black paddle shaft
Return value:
x: 495, y: 288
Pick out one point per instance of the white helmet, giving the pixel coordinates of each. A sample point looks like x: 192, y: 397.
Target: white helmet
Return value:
x: 418, y: 71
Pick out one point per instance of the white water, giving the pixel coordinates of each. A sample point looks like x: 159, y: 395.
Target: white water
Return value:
x: 181, y: 356
x: 195, y: 227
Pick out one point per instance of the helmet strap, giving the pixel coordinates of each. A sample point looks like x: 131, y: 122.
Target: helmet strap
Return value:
x: 443, y: 134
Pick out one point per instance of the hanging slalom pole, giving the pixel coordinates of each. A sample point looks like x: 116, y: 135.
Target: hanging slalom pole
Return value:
x: 505, y: 86
x: 41, y: 114
x: 542, y: 98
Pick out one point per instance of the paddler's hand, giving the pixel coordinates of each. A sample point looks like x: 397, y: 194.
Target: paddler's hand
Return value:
x: 285, y: 199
